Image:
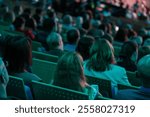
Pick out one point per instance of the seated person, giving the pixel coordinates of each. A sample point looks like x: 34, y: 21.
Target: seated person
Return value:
x: 101, y: 64
x: 69, y: 74
x: 55, y: 44
x: 73, y: 36
x: 128, y: 56
x: 84, y: 45
x: 18, y: 57
x: 143, y: 68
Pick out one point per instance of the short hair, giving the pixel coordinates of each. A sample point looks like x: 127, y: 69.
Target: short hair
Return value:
x: 143, y: 66
x: 144, y: 50
x: 49, y: 24
x: 84, y: 45
x: 17, y: 53
x: 19, y: 21
x: 127, y: 49
x: 67, y: 19
x: 101, y: 55
x: 73, y: 36
x: 69, y: 72
x: 53, y: 40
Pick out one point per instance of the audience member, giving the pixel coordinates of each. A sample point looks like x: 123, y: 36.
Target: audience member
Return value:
x: 73, y: 36
x: 101, y: 64
x: 128, y: 56
x: 84, y: 45
x: 18, y: 58
x: 144, y: 50
x: 143, y: 93
x: 69, y: 74
x: 55, y: 44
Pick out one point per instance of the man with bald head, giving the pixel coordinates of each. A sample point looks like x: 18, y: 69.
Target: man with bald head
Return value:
x: 143, y: 68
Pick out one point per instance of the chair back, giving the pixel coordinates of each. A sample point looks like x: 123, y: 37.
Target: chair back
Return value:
x: 42, y: 91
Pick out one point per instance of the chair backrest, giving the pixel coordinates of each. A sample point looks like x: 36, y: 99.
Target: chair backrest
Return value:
x: 117, y: 51
x: 42, y: 91
x: 16, y: 88
x: 121, y: 87
x: 104, y: 85
x: 36, y: 45
x: 44, y: 69
x: 133, y: 79
x: 43, y: 56
x: 103, y: 98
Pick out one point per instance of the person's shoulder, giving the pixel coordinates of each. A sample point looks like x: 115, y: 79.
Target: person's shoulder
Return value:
x: 117, y: 67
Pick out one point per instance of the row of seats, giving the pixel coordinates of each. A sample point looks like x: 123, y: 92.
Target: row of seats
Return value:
x: 44, y: 66
x: 43, y: 91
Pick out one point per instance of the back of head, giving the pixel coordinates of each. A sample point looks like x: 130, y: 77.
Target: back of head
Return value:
x: 84, y: 45
x: 101, y: 55
x: 30, y: 23
x: 146, y: 42
x: 121, y: 35
x: 73, y: 36
x: 54, y: 41
x: 67, y: 19
x: 144, y: 50
x: 9, y: 17
x: 19, y: 22
x: 143, y: 68
x: 17, y: 53
x: 48, y: 24
x: 128, y: 49
x: 69, y: 72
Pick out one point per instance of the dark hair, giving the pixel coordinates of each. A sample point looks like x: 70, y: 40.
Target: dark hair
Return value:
x: 19, y: 21
x: 101, y: 55
x: 69, y: 72
x: 17, y: 53
x: 121, y: 35
x: 30, y: 23
x: 145, y: 50
x: 127, y: 49
x: 73, y: 36
x: 108, y: 37
x: 84, y: 45
x: 49, y: 24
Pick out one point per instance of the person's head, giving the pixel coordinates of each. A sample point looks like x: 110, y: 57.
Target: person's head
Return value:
x: 84, y: 45
x: 54, y: 40
x: 30, y: 23
x: 143, y: 68
x: 137, y: 39
x: 69, y: 72
x: 101, y: 55
x: 4, y: 78
x: 49, y: 25
x: 67, y: 19
x: 108, y: 37
x: 18, y: 10
x: 121, y: 35
x: 73, y: 36
x: 19, y: 23
x: 129, y: 50
x: 144, y: 50
x: 147, y: 42
x: 9, y: 17
x: 17, y: 54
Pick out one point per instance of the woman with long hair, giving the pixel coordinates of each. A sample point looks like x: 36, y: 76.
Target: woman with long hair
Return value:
x: 101, y: 64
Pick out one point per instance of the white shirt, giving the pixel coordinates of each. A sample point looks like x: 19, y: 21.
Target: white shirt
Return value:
x: 116, y: 75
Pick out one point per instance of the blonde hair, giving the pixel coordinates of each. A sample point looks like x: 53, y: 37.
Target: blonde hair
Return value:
x: 69, y: 72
